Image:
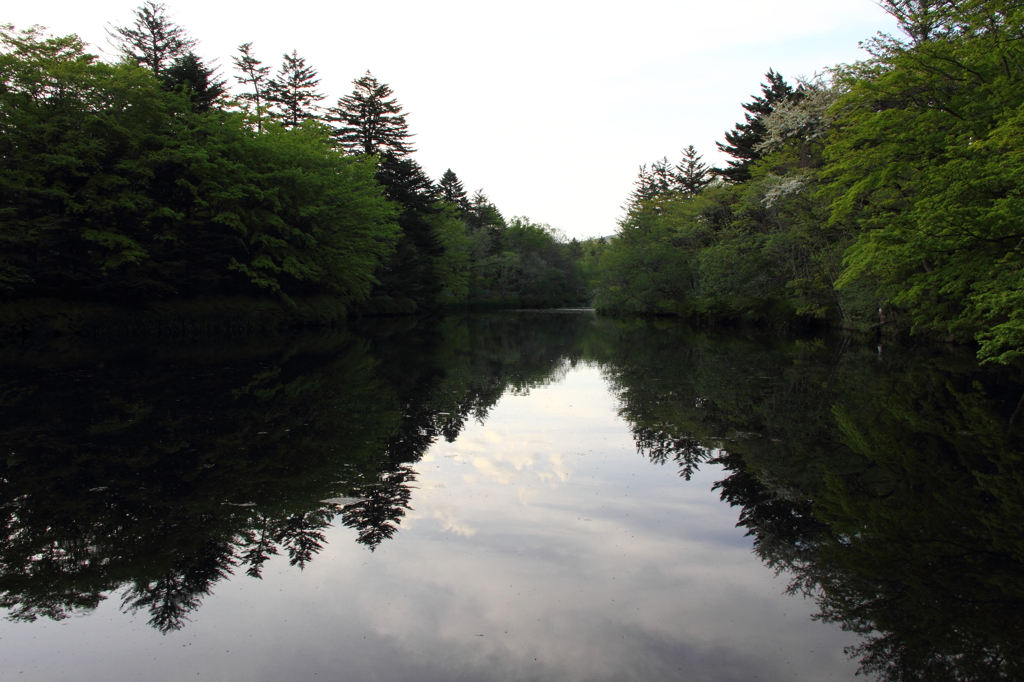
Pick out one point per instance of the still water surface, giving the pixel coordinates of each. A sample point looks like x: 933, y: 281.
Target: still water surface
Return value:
x: 509, y: 497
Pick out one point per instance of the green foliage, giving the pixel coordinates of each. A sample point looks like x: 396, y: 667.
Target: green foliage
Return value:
x: 114, y: 187
x: 926, y: 163
x: 453, y: 266
x: 198, y: 82
x: 884, y: 197
x: 752, y: 251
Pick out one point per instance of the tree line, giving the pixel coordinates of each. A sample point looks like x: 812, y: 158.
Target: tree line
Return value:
x: 881, y: 195
x: 145, y: 179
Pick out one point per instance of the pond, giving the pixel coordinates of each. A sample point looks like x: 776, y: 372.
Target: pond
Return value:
x: 517, y: 496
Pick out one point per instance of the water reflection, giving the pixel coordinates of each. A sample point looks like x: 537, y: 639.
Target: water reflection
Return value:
x: 889, y: 491
x: 164, y: 470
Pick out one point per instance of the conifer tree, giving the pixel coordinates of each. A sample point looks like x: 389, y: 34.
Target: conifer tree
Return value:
x: 200, y: 83
x: 453, y: 191
x: 411, y: 272
x: 741, y: 142
x: 657, y: 180
x: 256, y: 77
x: 692, y: 174
x: 153, y: 40
x: 484, y: 217
x: 370, y: 120
x: 292, y: 93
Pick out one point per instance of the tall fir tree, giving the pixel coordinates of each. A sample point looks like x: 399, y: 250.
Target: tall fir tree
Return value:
x: 292, y: 92
x: 199, y: 82
x: 484, y: 217
x: 370, y: 121
x: 741, y: 142
x: 453, y: 191
x: 153, y: 40
x: 254, y: 76
x: 692, y: 174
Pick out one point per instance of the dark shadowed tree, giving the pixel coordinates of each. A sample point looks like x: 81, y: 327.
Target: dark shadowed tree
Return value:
x: 410, y: 273
x: 200, y: 83
x: 153, y: 40
x: 483, y: 216
x: 370, y: 121
x: 256, y: 78
x: 453, y: 191
x: 292, y: 93
x: 741, y: 142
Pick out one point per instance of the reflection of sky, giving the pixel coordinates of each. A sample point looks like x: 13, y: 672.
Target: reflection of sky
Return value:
x: 541, y: 547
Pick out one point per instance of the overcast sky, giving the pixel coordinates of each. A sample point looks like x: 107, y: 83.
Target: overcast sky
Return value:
x: 548, y: 105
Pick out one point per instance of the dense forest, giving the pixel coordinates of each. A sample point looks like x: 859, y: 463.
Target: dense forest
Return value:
x: 147, y: 179
x: 881, y: 195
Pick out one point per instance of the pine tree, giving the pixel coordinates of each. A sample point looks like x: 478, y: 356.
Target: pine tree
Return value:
x: 453, y: 191
x: 741, y: 142
x: 199, y: 82
x: 153, y: 40
x: 254, y: 76
x: 292, y: 93
x: 371, y: 121
x: 653, y: 182
x: 692, y: 175
x: 643, y: 187
x: 484, y: 217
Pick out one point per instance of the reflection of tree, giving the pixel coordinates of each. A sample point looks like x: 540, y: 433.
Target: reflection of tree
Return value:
x: 162, y: 478
x: 159, y: 472
x: 381, y: 506
x: 170, y: 597
x: 892, y: 492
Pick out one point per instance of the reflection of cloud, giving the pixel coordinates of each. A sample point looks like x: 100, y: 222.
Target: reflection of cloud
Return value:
x: 446, y: 515
x: 526, y: 495
x: 616, y: 570
x: 504, y: 459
